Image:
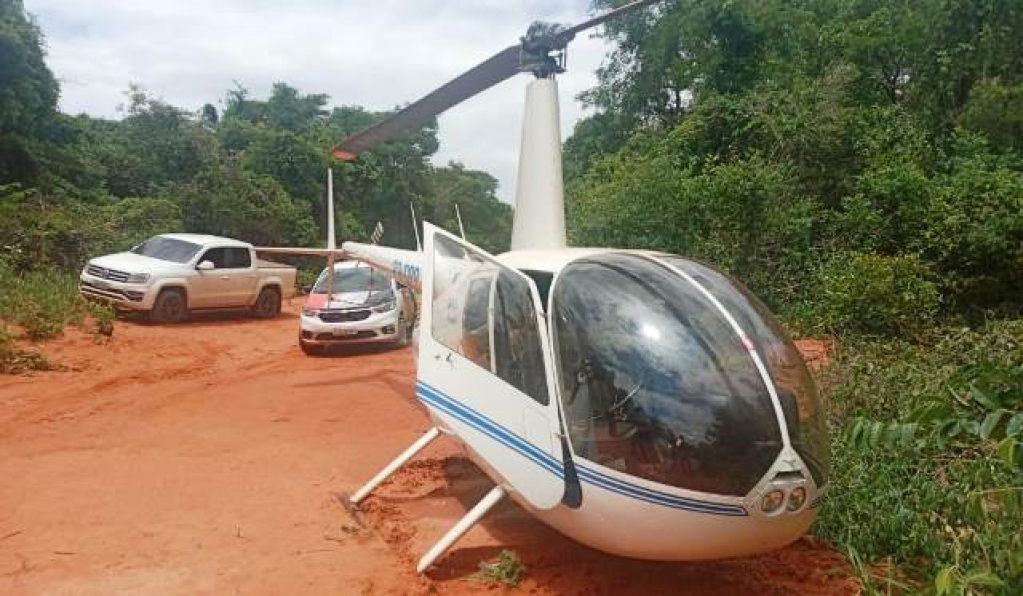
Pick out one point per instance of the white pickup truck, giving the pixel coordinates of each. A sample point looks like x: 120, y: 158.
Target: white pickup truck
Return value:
x: 170, y: 275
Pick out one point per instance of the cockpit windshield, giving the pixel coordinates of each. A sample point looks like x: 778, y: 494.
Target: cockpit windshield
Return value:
x: 800, y: 401
x: 655, y: 382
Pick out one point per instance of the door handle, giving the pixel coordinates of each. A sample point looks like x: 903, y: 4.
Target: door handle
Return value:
x: 225, y: 277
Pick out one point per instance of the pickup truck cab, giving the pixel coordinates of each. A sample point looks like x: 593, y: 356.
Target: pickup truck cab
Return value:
x: 364, y: 306
x: 170, y: 275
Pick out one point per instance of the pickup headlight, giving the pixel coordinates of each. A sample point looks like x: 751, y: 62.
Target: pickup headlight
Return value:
x: 385, y: 306
x: 137, y: 278
x: 310, y: 312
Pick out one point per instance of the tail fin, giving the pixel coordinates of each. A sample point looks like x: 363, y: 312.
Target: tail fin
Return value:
x: 331, y: 239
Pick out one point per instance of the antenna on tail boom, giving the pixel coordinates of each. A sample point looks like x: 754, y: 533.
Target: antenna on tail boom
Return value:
x: 415, y: 226
x: 461, y: 228
x: 331, y: 240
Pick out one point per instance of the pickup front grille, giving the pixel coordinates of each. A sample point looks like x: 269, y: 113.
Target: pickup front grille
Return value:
x: 94, y: 291
x: 344, y: 316
x: 102, y: 273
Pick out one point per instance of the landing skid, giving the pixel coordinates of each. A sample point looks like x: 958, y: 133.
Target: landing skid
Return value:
x: 492, y: 498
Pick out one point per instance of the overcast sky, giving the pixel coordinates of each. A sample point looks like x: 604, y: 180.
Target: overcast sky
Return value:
x: 373, y: 53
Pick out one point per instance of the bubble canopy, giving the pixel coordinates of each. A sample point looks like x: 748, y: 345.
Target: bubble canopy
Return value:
x: 657, y: 383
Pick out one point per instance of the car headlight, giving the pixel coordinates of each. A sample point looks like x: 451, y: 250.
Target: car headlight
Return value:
x: 137, y: 278
x: 385, y: 306
x: 310, y: 312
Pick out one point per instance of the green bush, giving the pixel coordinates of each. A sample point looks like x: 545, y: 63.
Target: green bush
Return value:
x: 928, y: 457
x: 14, y: 360
x: 42, y: 302
x: 507, y: 569
x: 876, y: 295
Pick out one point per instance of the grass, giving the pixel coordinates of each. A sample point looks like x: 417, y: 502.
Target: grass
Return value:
x: 506, y: 569
x: 927, y: 468
x: 15, y: 361
x: 40, y: 304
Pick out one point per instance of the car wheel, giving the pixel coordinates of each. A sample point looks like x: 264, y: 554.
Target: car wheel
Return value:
x: 170, y: 307
x: 268, y: 303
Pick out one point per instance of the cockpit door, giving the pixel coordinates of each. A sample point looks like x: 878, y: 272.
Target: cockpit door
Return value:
x: 484, y: 367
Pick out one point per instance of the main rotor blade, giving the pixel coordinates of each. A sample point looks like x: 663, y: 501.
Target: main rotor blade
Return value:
x: 493, y: 70
x: 567, y: 35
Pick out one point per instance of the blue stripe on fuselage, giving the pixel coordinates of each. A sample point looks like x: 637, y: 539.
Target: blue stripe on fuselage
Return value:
x: 449, y: 405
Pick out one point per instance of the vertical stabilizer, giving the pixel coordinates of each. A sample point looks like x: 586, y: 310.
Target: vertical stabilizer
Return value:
x: 331, y: 242
x: 539, y: 199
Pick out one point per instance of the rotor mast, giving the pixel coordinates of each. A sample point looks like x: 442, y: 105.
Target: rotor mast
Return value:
x: 539, y: 222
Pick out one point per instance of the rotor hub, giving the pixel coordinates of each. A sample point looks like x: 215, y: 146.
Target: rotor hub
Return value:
x: 543, y: 49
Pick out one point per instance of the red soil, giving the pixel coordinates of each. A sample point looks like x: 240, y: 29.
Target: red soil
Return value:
x: 208, y: 458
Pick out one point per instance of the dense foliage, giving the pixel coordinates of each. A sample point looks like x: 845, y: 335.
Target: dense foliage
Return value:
x: 75, y: 186
x: 929, y: 467
x: 859, y: 164
x: 772, y: 134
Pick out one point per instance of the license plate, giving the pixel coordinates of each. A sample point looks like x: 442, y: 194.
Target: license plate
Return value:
x: 344, y: 332
x: 102, y: 285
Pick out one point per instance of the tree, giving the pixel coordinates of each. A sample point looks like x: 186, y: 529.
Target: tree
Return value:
x: 28, y: 93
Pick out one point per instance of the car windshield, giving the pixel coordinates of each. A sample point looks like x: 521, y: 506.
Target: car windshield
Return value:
x: 167, y: 249
x: 353, y: 279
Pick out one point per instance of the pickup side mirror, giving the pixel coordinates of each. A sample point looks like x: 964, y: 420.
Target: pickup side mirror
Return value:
x: 205, y: 266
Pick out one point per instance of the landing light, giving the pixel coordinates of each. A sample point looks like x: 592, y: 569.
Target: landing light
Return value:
x: 772, y: 501
x: 797, y: 498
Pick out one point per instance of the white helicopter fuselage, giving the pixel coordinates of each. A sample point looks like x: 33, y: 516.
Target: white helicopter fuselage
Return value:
x: 529, y: 447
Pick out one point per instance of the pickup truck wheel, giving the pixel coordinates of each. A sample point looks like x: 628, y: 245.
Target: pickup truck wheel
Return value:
x: 268, y: 303
x: 170, y: 307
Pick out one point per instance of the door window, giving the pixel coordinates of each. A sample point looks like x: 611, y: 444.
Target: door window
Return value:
x: 487, y: 314
x: 238, y: 258
x: 476, y: 329
x: 218, y: 256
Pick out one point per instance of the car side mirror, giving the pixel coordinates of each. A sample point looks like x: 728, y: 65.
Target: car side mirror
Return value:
x: 205, y: 266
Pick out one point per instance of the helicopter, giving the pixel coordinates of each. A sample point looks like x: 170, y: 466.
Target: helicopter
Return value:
x: 641, y: 403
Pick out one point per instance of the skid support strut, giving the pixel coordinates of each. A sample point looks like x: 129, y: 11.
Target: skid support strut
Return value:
x: 486, y: 504
x: 401, y: 460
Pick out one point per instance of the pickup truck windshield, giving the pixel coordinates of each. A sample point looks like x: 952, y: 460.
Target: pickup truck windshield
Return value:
x: 167, y: 249
x: 358, y: 279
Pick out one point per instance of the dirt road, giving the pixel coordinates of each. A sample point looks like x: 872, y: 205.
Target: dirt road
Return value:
x: 206, y: 458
